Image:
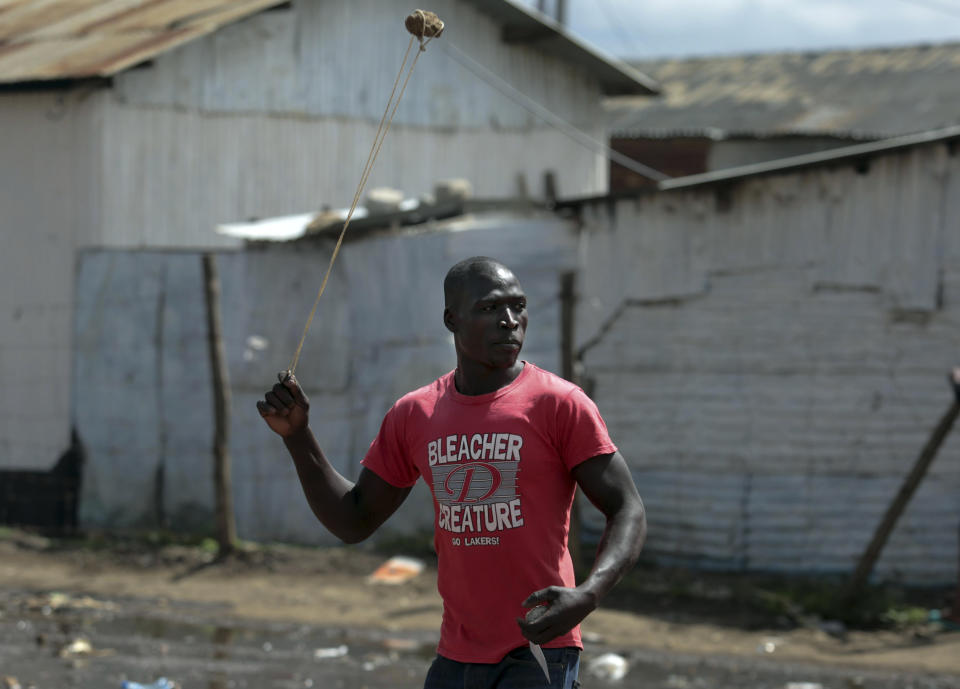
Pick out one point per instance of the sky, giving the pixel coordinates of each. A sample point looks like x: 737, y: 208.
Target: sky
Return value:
x: 655, y: 28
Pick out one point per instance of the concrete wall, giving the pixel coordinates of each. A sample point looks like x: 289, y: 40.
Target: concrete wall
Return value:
x: 143, y: 396
x: 771, y: 356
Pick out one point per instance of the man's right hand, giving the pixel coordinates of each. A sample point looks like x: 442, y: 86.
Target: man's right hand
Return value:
x: 285, y: 408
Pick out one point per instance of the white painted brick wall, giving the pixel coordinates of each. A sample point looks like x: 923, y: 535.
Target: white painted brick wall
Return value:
x: 775, y: 366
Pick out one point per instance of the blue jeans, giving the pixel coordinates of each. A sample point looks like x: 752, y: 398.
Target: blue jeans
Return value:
x: 518, y: 670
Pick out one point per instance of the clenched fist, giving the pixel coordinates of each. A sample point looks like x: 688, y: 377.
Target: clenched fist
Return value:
x: 285, y: 408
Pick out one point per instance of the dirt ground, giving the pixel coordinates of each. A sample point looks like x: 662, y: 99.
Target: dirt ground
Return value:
x: 330, y: 587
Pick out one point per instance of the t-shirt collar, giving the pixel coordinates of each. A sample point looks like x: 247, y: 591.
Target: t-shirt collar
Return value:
x: 459, y: 397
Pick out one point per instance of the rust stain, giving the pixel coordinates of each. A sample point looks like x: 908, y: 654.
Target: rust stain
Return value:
x: 143, y: 50
x: 56, y: 39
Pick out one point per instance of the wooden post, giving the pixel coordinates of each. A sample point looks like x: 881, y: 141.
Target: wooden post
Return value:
x: 226, y: 529
x: 568, y: 371
x: 910, y: 484
x: 562, y: 12
x: 550, y: 192
x: 954, y: 614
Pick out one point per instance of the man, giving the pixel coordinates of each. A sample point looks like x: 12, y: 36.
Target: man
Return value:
x: 501, y: 443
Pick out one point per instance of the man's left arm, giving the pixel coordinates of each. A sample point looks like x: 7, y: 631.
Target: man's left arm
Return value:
x: 606, y: 481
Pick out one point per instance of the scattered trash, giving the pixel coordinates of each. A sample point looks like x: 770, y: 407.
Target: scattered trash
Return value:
x: 769, y: 645
x: 609, y: 666
x: 11, y: 683
x: 267, y: 646
x: 78, y: 647
x: 396, y: 570
x: 327, y: 653
x: 82, y: 648
x: 593, y: 637
x: 161, y: 683
x: 375, y: 661
x: 402, y: 645
x: 803, y: 685
x: 56, y: 601
x: 677, y: 682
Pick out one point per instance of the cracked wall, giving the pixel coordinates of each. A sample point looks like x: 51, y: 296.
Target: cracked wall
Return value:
x: 771, y: 358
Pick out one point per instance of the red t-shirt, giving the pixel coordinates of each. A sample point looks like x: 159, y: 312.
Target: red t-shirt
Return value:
x: 499, y: 469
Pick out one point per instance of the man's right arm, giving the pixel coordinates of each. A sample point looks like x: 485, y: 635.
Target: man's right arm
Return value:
x: 351, y: 511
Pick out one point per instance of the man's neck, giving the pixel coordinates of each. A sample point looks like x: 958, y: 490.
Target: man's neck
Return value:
x: 475, y: 379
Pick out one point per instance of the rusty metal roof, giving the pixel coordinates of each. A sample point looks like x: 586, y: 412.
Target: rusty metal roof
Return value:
x: 43, y: 40
x: 46, y: 40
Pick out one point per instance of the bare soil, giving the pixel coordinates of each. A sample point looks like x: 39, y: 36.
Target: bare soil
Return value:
x: 329, y: 586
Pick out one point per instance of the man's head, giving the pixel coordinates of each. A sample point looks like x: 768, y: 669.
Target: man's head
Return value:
x: 486, y: 310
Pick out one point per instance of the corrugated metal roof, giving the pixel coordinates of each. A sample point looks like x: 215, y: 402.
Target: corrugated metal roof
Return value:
x: 834, y: 156
x: 523, y: 25
x: 857, y: 94
x: 44, y: 40
x: 70, y: 39
x: 821, y: 158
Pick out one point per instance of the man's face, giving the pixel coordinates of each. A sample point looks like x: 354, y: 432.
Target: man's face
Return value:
x: 490, y: 320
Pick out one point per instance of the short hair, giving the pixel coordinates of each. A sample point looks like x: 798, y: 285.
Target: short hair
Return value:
x: 458, y: 276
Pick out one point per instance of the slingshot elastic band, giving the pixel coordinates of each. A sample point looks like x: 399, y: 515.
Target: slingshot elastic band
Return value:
x: 423, y: 26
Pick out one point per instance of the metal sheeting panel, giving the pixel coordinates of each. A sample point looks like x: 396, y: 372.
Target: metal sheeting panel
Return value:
x: 43, y: 39
x: 57, y: 39
x: 142, y: 397
x: 201, y: 171
x: 792, y: 363
x: 341, y: 58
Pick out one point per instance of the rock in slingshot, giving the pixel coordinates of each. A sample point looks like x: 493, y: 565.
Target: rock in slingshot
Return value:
x: 423, y: 24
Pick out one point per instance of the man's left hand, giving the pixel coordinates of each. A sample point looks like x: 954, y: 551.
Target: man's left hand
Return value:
x: 565, y: 609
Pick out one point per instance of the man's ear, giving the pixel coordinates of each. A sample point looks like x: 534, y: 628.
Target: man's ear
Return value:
x: 449, y: 320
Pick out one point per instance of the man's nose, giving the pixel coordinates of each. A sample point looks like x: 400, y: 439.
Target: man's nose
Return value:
x: 509, y: 320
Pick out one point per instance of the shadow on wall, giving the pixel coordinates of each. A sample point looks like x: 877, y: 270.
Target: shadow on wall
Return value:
x: 45, y: 499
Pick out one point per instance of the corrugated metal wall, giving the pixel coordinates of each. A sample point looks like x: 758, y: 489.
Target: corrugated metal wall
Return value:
x: 143, y: 396
x: 47, y: 179
x: 324, y: 58
x: 269, y: 116
x: 174, y: 176
x: 772, y: 356
x: 275, y: 115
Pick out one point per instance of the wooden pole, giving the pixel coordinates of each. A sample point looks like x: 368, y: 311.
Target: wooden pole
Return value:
x: 226, y: 529
x: 567, y: 307
x: 562, y: 12
x: 909, y: 487
x: 954, y: 614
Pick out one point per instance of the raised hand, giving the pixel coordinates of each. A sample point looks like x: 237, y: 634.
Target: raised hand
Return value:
x: 285, y: 408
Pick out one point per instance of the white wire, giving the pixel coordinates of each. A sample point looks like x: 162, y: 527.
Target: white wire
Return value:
x: 530, y: 105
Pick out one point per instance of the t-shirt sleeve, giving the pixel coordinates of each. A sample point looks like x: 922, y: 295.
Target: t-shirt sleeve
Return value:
x: 581, y: 430
x: 388, y: 457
